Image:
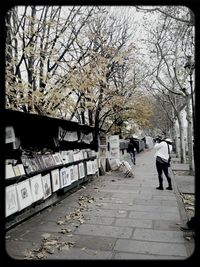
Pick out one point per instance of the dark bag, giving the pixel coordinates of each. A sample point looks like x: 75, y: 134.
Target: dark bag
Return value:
x: 163, y: 161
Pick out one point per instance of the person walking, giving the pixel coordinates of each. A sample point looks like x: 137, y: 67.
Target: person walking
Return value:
x: 162, y: 155
x: 132, y: 150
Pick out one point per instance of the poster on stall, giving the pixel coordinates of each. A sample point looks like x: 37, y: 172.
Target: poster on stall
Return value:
x: 103, y: 150
x: 114, y: 146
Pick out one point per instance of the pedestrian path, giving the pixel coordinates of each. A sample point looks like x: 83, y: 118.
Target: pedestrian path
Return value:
x: 112, y: 217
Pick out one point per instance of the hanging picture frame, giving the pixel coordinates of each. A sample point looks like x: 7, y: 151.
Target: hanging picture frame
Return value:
x: 36, y: 187
x: 55, y: 179
x: 11, y: 201
x: 46, y: 184
x: 27, y: 164
x: 24, y: 195
x: 81, y: 170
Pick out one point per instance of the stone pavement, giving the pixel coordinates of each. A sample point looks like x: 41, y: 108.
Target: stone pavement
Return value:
x: 112, y: 217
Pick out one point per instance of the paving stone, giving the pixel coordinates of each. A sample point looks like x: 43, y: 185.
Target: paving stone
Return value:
x: 107, y: 213
x: 134, y: 223
x: 109, y: 231
x: 156, y: 248
x: 158, y: 235
x: 154, y: 215
x: 83, y: 254
x: 135, y: 256
x: 99, y: 220
x: 166, y: 225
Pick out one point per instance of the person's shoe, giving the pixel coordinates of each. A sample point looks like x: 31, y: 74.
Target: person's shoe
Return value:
x: 169, y: 188
x: 186, y: 229
x: 159, y: 188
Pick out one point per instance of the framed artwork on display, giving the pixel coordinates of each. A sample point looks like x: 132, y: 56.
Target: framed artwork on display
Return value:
x: 11, y: 201
x: 48, y: 160
x: 16, y: 170
x: 96, y: 165
x: 93, y: 167
x: 9, y: 171
x: 21, y: 169
x: 36, y: 187
x: 81, y: 170
x: 34, y: 164
x: 57, y: 158
x: 71, y: 173
x: 55, y: 179
x: 10, y: 134
x: 89, y: 167
x: 24, y: 195
x: 76, y: 174
x: 64, y: 177
x: 27, y: 164
x: 46, y: 184
x: 41, y: 162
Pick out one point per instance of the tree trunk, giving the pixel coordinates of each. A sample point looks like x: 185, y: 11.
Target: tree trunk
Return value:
x: 189, y: 135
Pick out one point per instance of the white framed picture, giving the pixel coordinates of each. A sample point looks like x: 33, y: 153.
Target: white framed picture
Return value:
x: 93, y: 167
x: 9, y: 171
x: 46, y: 184
x: 71, y: 173
x: 21, y: 169
x: 89, y: 167
x: 76, y: 174
x: 11, y: 201
x: 55, y: 179
x: 24, y: 195
x: 10, y: 134
x: 64, y: 177
x: 36, y: 187
x: 16, y: 170
x: 96, y: 165
x: 57, y: 158
x: 81, y: 170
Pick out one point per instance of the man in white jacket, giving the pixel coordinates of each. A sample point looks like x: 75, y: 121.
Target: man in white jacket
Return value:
x: 162, y: 155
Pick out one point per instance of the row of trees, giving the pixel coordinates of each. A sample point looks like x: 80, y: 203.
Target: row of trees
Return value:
x: 76, y: 63
x: 170, y: 42
x: 83, y: 63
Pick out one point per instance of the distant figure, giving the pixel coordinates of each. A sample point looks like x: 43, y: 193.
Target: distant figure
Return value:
x: 132, y: 150
x: 162, y: 155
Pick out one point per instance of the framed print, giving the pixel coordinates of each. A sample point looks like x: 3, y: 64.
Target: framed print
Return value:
x: 114, y: 141
x: 27, y: 164
x: 89, y: 167
x: 24, y: 195
x: 114, y: 152
x: 36, y: 187
x: 55, y: 179
x: 93, y: 167
x: 102, y: 152
x: 48, y: 160
x: 9, y: 171
x: 21, y: 169
x: 81, y: 170
x: 71, y: 173
x: 96, y: 165
x: 34, y: 164
x: 16, y: 170
x: 11, y: 200
x: 57, y: 158
x: 41, y: 162
x: 46, y: 184
x: 76, y: 175
x: 64, y: 177
x: 10, y: 135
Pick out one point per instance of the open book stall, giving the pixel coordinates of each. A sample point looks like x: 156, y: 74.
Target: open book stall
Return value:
x: 44, y: 159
